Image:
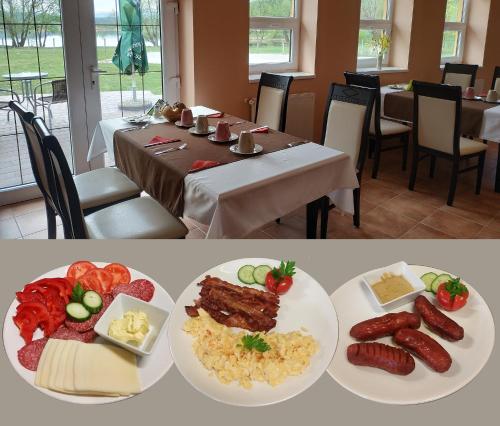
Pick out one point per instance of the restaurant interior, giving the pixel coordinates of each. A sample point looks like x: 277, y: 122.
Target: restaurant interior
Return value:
x: 262, y: 119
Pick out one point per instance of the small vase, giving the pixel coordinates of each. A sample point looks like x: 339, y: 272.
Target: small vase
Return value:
x: 380, y: 60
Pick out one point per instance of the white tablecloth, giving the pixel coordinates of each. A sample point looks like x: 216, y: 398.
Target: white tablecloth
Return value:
x: 490, y: 129
x: 102, y: 140
x: 239, y: 198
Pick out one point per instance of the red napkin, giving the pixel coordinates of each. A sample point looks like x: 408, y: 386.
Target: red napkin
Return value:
x: 264, y: 129
x: 158, y: 140
x: 216, y: 115
x: 199, y: 165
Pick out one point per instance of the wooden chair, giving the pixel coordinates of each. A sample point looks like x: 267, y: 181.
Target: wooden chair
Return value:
x: 495, y: 84
x: 272, y: 101
x: 381, y: 129
x: 346, y: 127
x: 437, y: 115
x: 138, y: 218
x: 462, y: 75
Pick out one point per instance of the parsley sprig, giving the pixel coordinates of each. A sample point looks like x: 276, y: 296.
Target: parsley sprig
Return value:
x: 286, y: 269
x: 256, y: 342
x: 77, y: 293
x: 455, y: 288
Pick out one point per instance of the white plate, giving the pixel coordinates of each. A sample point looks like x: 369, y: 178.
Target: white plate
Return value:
x: 234, y: 137
x: 305, y: 305
x: 236, y: 149
x: 193, y: 131
x: 151, y: 368
x: 353, y: 304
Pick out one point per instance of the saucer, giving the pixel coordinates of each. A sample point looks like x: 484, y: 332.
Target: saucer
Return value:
x: 234, y: 137
x: 179, y: 124
x: 235, y: 149
x: 193, y: 131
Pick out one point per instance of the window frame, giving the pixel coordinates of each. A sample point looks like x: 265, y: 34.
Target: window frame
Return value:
x: 376, y: 24
x: 461, y: 28
x: 276, y: 23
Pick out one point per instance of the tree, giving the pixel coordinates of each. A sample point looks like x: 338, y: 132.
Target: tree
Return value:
x: 47, y: 12
x: 18, y: 17
x: 150, y: 17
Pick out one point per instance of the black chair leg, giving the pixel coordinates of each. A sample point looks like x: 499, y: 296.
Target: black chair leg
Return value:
x: 414, y: 169
x: 51, y: 223
x: 497, y: 178
x: 376, y: 159
x: 480, y: 170
x: 405, y: 139
x: 432, y: 170
x: 325, y: 210
x: 453, y: 183
x: 278, y: 221
x: 357, y: 207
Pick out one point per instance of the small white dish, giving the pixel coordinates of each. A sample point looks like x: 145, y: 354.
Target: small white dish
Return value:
x: 235, y: 149
x: 234, y: 137
x: 193, y: 131
x: 183, y: 126
x: 123, y: 303
x: 400, y: 268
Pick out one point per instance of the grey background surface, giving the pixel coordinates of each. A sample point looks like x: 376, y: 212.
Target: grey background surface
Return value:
x: 175, y: 264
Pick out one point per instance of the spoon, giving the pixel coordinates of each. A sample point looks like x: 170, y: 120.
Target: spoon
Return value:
x: 180, y: 148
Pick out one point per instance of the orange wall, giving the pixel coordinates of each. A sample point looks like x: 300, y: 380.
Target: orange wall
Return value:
x: 214, y: 57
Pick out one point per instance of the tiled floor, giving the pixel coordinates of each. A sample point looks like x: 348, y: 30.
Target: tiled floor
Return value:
x: 389, y: 209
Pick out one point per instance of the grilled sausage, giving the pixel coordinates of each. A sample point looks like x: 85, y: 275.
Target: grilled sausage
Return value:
x: 438, y: 322
x: 425, y: 347
x: 378, y: 355
x: 386, y: 325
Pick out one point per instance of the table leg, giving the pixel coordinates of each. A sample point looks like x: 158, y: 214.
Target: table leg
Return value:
x: 497, y: 178
x: 29, y: 94
x: 312, y: 219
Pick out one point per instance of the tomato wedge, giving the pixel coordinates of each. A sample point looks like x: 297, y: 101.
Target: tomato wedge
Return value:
x: 121, y: 274
x: 97, y: 279
x: 78, y: 270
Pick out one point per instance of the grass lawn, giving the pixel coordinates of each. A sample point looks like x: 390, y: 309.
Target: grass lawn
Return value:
x: 51, y: 60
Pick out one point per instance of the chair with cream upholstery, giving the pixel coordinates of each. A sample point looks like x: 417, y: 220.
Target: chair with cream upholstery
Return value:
x: 436, y: 132
x: 346, y: 127
x: 495, y: 85
x: 272, y: 101
x: 96, y: 189
x: 462, y: 75
x: 381, y: 129
x: 137, y: 218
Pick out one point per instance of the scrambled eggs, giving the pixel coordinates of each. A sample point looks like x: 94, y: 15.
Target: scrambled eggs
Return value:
x: 219, y: 349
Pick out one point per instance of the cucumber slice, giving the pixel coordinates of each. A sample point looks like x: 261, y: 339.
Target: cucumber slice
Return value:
x: 245, y: 274
x: 77, y: 312
x: 260, y: 273
x: 92, y: 301
x: 427, y: 279
x: 440, y: 279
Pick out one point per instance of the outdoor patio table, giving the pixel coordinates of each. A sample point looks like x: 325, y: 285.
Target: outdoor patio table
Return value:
x: 479, y: 119
x: 243, y: 194
x: 26, y: 79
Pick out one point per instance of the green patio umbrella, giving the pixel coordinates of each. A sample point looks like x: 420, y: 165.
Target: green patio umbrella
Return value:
x: 130, y: 55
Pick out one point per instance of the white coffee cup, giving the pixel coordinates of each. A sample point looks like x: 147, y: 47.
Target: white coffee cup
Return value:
x: 246, y: 144
x: 492, y: 96
x: 202, y: 124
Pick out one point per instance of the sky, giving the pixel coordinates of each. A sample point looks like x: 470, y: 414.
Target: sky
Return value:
x: 104, y: 6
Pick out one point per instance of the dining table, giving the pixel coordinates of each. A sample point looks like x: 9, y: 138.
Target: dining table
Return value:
x: 237, y: 194
x: 480, y: 119
x: 26, y: 78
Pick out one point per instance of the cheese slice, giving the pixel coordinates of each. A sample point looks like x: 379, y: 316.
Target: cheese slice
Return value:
x: 105, y: 370
x: 56, y: 362
x: 68, y: 384
x: 60, y: 375
x: 41, y: 363
x: 43, y: 370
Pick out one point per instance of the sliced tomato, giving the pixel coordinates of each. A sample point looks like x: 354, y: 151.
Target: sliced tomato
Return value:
x: 121, y: 274
x: 98, y: 280
x: 78, y: 270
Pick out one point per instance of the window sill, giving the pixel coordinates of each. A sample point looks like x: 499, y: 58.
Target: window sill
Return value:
x: 384, y: 70
x: 297, y: 75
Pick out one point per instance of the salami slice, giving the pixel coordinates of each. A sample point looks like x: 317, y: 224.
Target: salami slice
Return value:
x: 83, y: 327
x: 30, y: 354
x: 140, y: 289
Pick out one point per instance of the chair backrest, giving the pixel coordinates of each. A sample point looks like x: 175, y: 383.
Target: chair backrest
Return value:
x: 61, y: 184
x: 272, y: 101
x: 462, y: 75
x: 495, y: 85
x: 347, y: 121
x: 372, y: 82
x: 34, y: 151
x: 436, y: 117
x: 59, y: 90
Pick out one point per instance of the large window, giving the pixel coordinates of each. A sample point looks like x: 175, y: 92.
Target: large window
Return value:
x: 455, y: 27
x: 274, y: 35
x: 376, y: 19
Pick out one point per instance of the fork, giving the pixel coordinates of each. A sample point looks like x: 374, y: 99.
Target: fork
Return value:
x: 179, y: 148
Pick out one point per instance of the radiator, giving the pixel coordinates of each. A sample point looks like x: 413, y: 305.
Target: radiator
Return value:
x: 300, y: 116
